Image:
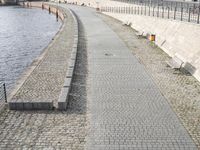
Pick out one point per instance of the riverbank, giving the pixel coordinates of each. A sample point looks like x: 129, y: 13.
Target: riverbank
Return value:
x: 51, y: 129
x: 25, y: 33
x: 41, y: 85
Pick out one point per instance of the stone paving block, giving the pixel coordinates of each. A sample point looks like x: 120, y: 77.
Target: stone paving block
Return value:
x: 19, y: 106
x: 43, y: 105
x: 11, y: 105
x: 70, y: 72
x: 67, y: 82
x: 28, y: 106
x: 73, y: 56
x: 71, y: 63
x: 63, y: 98
x: 62, y: 105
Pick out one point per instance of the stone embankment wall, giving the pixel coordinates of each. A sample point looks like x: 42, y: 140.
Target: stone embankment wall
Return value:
x: 176, y: 38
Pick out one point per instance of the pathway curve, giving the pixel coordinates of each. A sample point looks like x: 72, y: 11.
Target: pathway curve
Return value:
x: 126, y: 109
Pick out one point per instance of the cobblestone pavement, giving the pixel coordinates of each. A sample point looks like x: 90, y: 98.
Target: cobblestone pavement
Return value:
x: 45, y: 82
x: 51, y: 130
x: 180, y: 89
x: 126, y: 109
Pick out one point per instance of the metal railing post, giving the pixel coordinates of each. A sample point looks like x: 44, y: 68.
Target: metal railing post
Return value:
x: 198, y: 15
x: 175, y: 13
x: 168, y: 13
x: 189, y: 15
x: 181, y: 13
x: 149, y: 10
x: 131, y: 10
x: 153, y: 11
x: 5, y: 94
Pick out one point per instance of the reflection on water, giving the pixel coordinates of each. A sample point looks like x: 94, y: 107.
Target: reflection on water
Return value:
x: 24, y: 33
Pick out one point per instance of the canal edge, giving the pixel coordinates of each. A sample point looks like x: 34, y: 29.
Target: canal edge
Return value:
x: 24, y: 76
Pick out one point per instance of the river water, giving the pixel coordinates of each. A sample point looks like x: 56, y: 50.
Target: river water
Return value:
x: 24, y: 33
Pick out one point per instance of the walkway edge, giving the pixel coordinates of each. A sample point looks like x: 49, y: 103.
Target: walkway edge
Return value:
x: 64, y: 95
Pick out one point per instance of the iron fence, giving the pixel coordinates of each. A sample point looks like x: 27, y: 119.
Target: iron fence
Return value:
x: 183, y: 11
x: 3, y: 96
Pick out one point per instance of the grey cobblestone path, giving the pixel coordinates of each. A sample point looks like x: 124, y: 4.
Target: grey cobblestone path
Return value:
x: 126, y: 109
x: 180, y: 88
x: 51, y: 130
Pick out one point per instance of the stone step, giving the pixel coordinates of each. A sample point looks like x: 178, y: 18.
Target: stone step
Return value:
x: 30, y: 105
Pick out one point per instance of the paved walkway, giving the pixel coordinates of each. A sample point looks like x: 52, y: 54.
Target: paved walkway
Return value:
x: 126, y: 109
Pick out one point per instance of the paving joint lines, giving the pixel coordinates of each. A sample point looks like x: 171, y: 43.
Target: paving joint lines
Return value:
x: 41, y: 89
x: 126, y: 109
x: 180, y: 89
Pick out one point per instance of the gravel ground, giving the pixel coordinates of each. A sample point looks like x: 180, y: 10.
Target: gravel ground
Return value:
x: 180, y: 88
x: 51, y: 129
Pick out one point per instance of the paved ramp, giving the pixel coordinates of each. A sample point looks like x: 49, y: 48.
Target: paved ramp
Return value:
x: 126, y: 109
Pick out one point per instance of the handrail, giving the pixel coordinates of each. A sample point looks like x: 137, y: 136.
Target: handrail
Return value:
x: 188, y: 12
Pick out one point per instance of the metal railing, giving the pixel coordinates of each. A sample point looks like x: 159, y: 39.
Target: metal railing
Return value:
x: 183, y: 11
x: 3, y: 95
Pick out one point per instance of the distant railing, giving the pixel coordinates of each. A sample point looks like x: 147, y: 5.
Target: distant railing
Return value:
x: 183, y: 11
x: 3, y: 96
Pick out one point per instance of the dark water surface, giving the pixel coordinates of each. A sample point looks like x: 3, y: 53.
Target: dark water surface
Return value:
x: 24, y: 33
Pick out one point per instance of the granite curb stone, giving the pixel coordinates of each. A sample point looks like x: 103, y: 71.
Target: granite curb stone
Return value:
x: 63, y: 98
